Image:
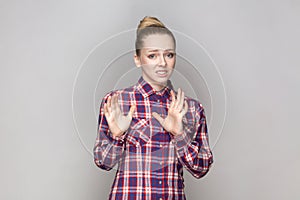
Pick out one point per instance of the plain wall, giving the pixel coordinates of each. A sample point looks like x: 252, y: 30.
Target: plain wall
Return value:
x: 46, y: 153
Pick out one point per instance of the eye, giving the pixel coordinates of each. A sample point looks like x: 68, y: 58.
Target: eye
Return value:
x: 151, y: 56
x: 170, y: 55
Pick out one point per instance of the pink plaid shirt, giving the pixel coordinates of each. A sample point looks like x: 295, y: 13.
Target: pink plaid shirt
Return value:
x: 150, y: 160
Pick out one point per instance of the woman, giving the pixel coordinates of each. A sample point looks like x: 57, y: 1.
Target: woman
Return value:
x: 150, y: 130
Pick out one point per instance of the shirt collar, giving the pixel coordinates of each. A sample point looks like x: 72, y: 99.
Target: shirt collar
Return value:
x: 146, y: 89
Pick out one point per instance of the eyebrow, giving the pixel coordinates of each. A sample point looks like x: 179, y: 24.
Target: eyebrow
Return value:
x: 155, y: 50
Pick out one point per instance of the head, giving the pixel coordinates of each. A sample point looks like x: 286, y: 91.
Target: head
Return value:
x: 155, y: 52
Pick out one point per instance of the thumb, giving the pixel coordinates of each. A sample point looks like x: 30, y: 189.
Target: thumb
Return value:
x: 131, y: 111
x: 158, y: 117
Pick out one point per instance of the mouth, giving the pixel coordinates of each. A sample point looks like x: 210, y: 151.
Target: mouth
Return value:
x: 162, y: 72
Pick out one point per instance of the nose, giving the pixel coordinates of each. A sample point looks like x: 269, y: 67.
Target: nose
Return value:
x: 162, y: 61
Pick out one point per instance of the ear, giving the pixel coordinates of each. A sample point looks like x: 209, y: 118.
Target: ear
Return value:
x: 137, y: 60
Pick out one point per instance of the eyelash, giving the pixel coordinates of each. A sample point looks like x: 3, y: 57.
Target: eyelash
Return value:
x: 172, y: 55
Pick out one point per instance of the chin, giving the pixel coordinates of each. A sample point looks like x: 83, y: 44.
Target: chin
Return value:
x: 162, y: 81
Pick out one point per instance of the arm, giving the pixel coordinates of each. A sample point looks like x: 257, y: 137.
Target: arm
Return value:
x: 108, y: 149
x: 194, y: 153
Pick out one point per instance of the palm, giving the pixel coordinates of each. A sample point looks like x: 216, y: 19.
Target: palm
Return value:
x: 117, y: 122
x: 178, y: 108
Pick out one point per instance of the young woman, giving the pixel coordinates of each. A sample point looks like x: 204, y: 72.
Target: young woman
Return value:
x: 150, y: 130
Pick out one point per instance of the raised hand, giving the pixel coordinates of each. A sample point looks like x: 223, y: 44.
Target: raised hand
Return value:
x: 178, y: 108
x: 117, y: 122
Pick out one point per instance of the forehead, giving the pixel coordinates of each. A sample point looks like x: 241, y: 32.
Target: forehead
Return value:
x: 158, y: 41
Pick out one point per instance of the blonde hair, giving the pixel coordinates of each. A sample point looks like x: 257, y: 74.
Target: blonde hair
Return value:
x: 148, y: 21
x: 148, y: 26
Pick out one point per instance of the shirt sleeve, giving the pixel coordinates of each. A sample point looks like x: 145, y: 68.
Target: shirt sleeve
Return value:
x: 195, y: 153
x: 107, y: 150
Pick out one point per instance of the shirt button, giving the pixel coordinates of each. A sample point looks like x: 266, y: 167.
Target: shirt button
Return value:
x: 158, y: 100
x: 160, y: 199
x: 160, y: 163
x: 160, y: 145
x: 160, y: 183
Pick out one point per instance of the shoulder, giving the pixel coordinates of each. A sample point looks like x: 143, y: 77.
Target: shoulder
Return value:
x: 195, y: 112
x: 123, y: 93
x: 194, y: 104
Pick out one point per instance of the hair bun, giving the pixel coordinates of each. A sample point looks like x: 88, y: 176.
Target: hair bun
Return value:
x: 149, y: 21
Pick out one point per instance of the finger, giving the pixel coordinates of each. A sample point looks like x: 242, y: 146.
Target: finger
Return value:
x: 173, y: 99
x: 186, y: 107
x: 116, y: 102
x: 116, y: 98
x: 158, y: 117
x: 109, y: 101
x: 177, y: 98
x: 117, y: 106
x: 113, y: 102
x: 181, y: 101
x: 108, y: 104
x: 131, y: 111
x: 106, y: 113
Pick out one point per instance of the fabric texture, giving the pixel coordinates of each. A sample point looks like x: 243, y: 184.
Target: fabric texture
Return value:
x: 148, y: 160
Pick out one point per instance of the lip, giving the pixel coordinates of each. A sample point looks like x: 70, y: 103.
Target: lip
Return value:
x: 162, y: 75
x: 161, y: 71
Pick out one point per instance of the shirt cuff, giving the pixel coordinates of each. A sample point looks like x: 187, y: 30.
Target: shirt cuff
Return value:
x: 117, y: 141
x: 181, y: 140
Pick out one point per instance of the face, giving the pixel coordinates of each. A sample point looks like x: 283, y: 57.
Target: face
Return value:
x: 157, y: 60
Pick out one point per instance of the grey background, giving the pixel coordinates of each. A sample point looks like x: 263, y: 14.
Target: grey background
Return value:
x: 254, y: 43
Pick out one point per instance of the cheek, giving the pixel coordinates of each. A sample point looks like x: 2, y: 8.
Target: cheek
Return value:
x: 172, y: 62
x: 147, y: 61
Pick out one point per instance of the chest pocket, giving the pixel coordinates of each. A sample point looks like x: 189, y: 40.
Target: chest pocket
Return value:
x: 139, y: 132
